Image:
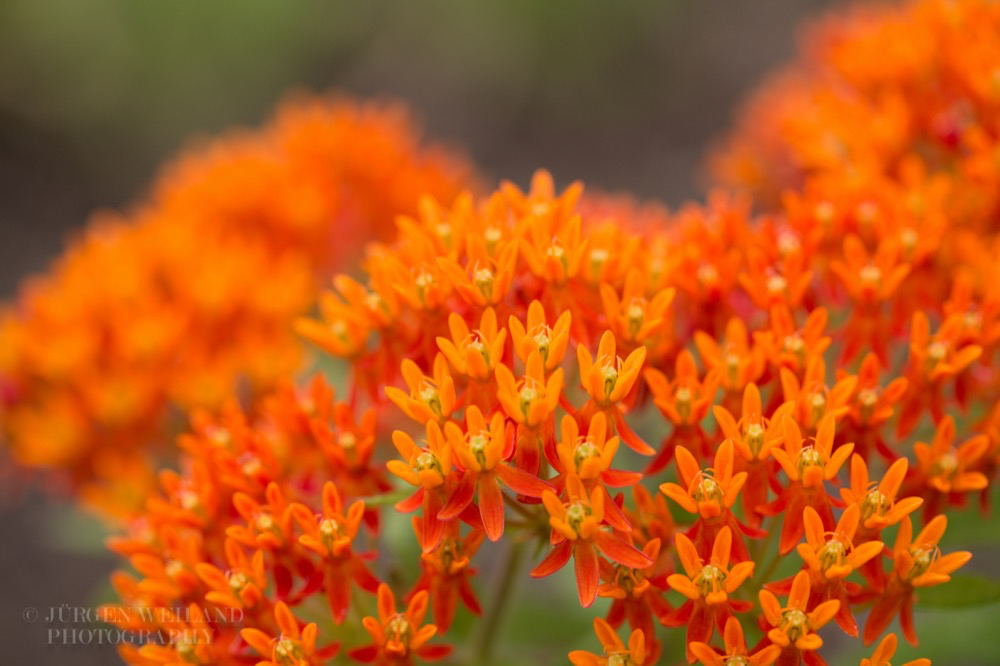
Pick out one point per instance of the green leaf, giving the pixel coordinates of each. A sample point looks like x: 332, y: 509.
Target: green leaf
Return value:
x: 963, y: 591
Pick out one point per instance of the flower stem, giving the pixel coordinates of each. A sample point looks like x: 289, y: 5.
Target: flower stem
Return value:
x: 490, y: 625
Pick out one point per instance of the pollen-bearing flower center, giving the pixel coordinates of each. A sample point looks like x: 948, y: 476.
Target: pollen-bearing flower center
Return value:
x: 708, y: 489
x: 585, y: 450
x: 711, y: 579
x: 832, y: 554
x: 794, y: 623
x: 576, y: 513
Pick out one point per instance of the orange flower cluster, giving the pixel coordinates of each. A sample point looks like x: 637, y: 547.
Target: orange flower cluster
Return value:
x: 885, y: 97
x: 768, y: 378
x: 191, y: 295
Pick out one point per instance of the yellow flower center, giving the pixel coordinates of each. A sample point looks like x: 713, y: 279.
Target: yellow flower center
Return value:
x: 399, y: 627
x: 427, y: 460
x: 237, y: 581
x: 923, y: 558
x: 794, y: 623
x: 776, y: 284
x: 945, y: 466
x: 543, y: 340
x: 478, y: 444
x: 483, y: 279
x: 809, y: 457
x: 707, y: 490
x: 585, y: 450
x: 430, y: 397
x: 288, y: 652
x: 576, y: 513
x: 707, y: 274
x: 610, y: 373
x: 755, y: 437
x: 710, y: 580
x: 635, y: 313
x: 874, y: 504
x: 832, y: 554
x: 870, y: 275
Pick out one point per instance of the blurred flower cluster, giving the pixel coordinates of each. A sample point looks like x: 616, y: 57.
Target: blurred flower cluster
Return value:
x: 742, y: 431
x: 190, y: 296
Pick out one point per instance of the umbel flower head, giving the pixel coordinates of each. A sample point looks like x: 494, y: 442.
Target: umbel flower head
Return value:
x: 743, y: 359
x: 495, y: 452
x: 152, y: 310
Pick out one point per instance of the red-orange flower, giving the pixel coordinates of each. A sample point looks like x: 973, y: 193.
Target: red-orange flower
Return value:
x: 577, y: 531
x: 707, y: 586
x: 793, y: 629
x: 736, y: 649
x: 616, y: 653
x: 292, y: 646
x: 917, y: 562
x: 480, y: 452
x: 399, y: 638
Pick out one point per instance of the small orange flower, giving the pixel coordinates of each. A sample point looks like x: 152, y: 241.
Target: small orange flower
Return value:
x: 292, y: 646
x: 685, y: 402
x: 608, y: 380
x: 474, y: 354
x: 793, y: 629
x: 707, y: 586
x: 879, y: 508
x: 430, y: 399
x: 934, y: 359
x: 243, y: 583
x: 733, y: 359
x: 399, y: 638
x: 590, y: 456
x: 577, y: 531
x: 446, y: 573
x: 709, y: 493
x: 427, y: 468
x: 711, y: 582
x: 807, y: 469
x: 811, y: 398
x: 736, y: 650
x: 833, y: 555
x: 636, y: 594
x: 480, y: 452
x: 532, y: 400
x: 633, y: 319
x: 753, y: 437
x: 535, y: 335
x: 884, y: 652
x: 489, y: 271
x: 917, y: 562
x: 945, y: 470
x: 330, y: 535
x: 787, y: 346
x: 615, y: 651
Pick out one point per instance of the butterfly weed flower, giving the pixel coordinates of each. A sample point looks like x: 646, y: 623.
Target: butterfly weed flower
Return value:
x: 736, y: 652
x: 917, y: 562
x: 707, y: 584
x: 616, y: 652
x: 399, y: 638
x: 578, y: 531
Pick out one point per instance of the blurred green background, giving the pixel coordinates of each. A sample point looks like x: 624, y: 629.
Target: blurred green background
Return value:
x: 625, y: 95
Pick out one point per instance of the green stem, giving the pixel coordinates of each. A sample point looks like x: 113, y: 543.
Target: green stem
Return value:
x: 490, y: 625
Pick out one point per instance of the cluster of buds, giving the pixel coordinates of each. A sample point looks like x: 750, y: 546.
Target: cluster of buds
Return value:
x: 461, y: 356
x: 151, y: 311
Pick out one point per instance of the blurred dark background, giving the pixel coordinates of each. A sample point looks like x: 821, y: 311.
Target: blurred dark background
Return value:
x: 94, y: 95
